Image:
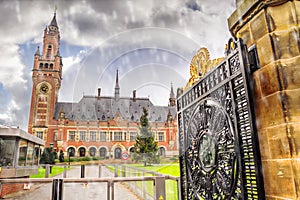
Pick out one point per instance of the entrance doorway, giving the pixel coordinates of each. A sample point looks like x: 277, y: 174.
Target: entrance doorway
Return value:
x: 118, y: 153
x: 162, y: 152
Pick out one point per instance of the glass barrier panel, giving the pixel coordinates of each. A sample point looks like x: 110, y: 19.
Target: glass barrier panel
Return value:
x: 7, y: 147
x: 22, y: 153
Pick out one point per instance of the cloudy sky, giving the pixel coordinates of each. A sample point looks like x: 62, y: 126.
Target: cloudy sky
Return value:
x: 150, y: 42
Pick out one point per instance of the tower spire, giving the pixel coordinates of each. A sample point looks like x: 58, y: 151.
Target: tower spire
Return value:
x: 172, y: 91
x: 117, y: 87
x: 53, y: 21
x: 172, y: 100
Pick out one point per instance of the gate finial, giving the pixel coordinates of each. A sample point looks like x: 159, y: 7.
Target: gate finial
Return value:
x: 200, y: 65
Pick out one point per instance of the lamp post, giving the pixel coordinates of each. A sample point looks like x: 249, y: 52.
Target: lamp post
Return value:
x: 69, y: 155
x: 51, y: 156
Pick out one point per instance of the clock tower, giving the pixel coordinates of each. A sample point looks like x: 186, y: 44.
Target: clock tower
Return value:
x: 46, y: 77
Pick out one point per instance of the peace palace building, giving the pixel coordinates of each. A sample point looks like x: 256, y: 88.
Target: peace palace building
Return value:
x: 97, y: 125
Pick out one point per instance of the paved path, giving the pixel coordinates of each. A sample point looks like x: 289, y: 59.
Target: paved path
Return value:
x: 74, y: 191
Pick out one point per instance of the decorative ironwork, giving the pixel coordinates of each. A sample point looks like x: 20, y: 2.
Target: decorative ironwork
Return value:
x: 219, y: 156
x: 200, y: 65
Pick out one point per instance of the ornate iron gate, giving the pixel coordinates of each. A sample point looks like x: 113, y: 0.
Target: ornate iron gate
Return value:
x: 219, y: 154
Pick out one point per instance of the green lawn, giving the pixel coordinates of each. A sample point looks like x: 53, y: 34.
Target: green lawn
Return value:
x: 42, y: 171
x: 168, y: 169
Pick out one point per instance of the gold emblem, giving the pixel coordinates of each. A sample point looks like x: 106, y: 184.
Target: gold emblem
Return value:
x: 44, y: 88
x: 200, y: 65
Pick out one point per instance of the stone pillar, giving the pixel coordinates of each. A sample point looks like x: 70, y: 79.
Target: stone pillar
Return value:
x: 273, y: 26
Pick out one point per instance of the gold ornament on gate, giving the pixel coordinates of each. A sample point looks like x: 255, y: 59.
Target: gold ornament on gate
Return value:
x: 200, y: 65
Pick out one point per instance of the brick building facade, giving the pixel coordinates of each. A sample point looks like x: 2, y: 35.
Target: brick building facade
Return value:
x: 102, y: 126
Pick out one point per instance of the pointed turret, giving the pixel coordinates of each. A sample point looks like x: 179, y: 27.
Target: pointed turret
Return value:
x: 172, y: 100
x: 117, y: 87
x: 53, y: 21
x: 37, y: 53
x: 53, y: 27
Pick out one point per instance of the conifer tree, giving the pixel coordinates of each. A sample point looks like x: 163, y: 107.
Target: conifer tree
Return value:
x: 145, y: 148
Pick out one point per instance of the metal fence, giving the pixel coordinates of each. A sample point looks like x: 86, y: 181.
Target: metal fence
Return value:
x: 144, y: 184
x: 171, y: 184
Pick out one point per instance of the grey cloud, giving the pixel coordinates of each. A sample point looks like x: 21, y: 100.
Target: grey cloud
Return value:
x: 192, y: 4
x: 115, y: 27
x: 165, y: 18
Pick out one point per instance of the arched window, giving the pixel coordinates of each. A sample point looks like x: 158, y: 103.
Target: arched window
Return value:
x: 131, y: 150
x: 71, y: 151
x: 41, y: 65
x: 92, y: 151
x: 49, y: 50
x: 51, y: 66
x: 46, y: 65
x: 102, y: 152
x: 81, y: 151
x: 162, y: 151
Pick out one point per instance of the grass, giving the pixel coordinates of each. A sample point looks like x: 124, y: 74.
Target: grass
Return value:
x: 168, y: 169
x: 42, y: 171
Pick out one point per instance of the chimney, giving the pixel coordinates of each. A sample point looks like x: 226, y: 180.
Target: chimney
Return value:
x: 99, y: 93
x: 134, y: 95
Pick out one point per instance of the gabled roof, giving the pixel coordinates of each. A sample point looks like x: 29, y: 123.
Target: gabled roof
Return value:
x: 92, y: 109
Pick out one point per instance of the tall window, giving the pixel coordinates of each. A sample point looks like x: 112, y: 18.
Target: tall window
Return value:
x: 49, y: 51
x: 161, y: 136
x: 102, y: 136
x: 132, y: 136
x: 55, y: 136
x: 93, y: 136
x: 82, y: 135
x: 118, y: 136
x: 39, y: 134
x: 71, y: 135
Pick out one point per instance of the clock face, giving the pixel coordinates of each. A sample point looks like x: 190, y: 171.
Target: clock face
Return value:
x: 52, y: 28
x: 44, y: 88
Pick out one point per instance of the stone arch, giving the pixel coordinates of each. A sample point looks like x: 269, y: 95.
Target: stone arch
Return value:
x: 103, y: 150
x: 71, y: 150
x: 117, y: 153
x: 92, y: 151
x: 117, y: 150
x: 162, y: 151
x: 131, y: 149
x: 81, y: 151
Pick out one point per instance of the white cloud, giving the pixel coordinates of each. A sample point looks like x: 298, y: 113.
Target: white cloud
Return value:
x: 11, y: 65
x: 117, y: 31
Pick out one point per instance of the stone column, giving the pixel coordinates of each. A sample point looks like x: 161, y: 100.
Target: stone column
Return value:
x: 273, y: 26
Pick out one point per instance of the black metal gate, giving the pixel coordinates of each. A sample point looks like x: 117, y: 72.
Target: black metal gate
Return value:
x: 219, y: 154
